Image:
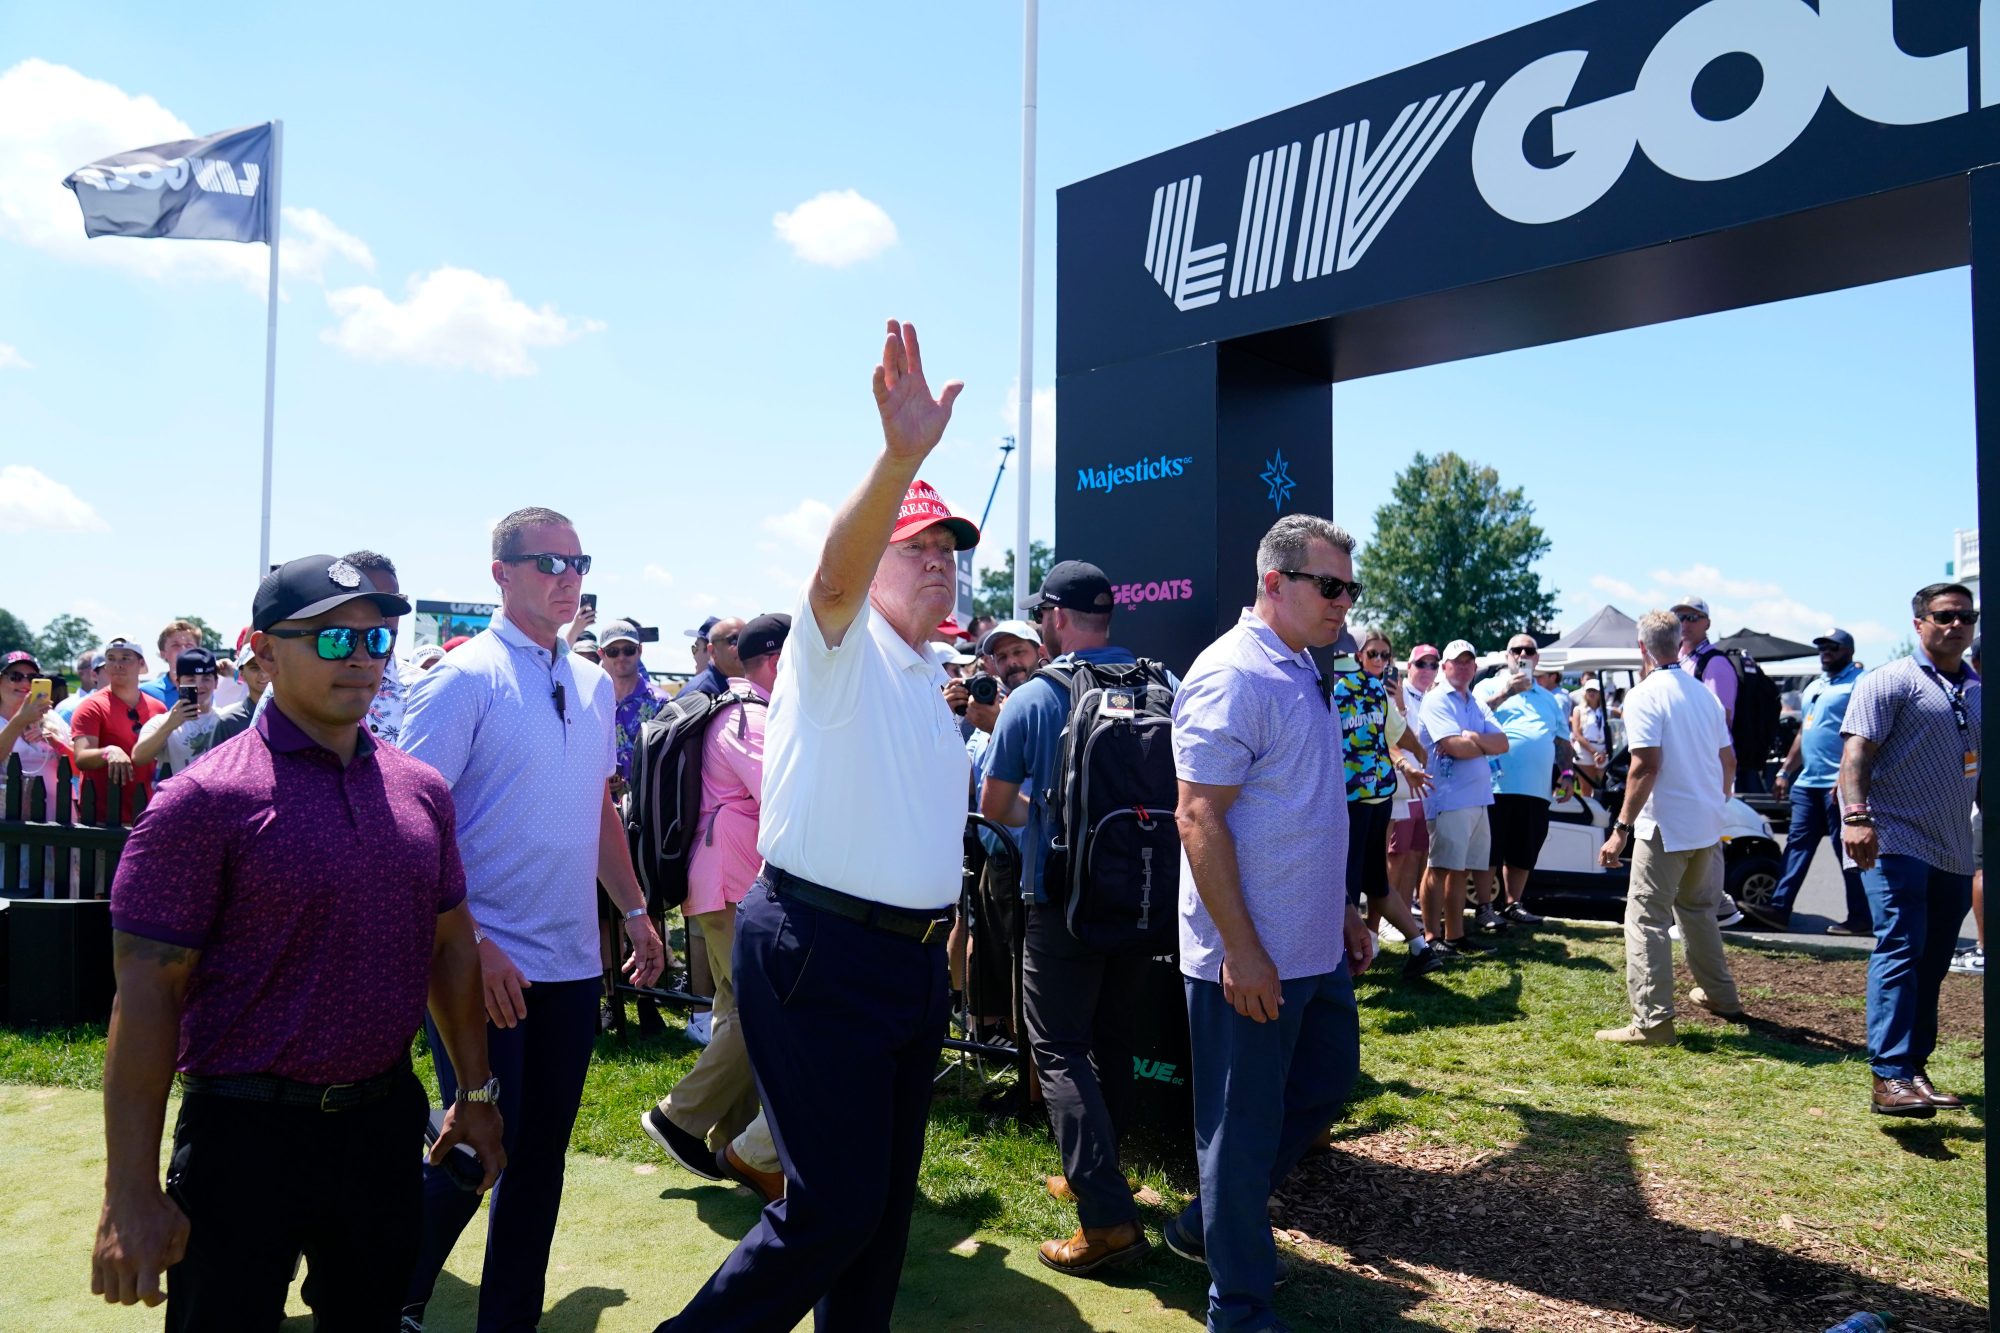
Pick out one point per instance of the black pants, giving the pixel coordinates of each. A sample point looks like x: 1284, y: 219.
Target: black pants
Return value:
x: 844, y: 1024
x: 996, y: 920
x: 261, y: 1184
x: 1081, y: 1007
x: 541, y: 1063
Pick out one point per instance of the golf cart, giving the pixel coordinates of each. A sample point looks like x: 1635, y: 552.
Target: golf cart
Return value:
x: 1606, y: 646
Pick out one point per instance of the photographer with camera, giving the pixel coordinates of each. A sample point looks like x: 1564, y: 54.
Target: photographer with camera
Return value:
x: 1078, y: 1001
x: 186, y: 731
x: 1008, y: 654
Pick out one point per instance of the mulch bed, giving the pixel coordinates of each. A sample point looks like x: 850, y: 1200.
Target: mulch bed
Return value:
x: 1819, y: 1002
x: 1518, y: 1241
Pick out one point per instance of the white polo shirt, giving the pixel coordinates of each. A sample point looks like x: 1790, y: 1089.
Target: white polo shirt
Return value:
x: 1683, y: 718
x: 864, y: 770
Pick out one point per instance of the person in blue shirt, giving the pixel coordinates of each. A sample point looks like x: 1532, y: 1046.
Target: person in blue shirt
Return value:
x: 1080, y: 1004
x: 1534, y: 719
x: 1808, y: 777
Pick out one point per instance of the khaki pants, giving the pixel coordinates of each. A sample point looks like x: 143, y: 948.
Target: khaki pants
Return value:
x: 718, y: 1098
x: 1666, y: 886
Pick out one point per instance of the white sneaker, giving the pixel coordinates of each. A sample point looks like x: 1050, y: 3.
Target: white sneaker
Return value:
x: 698, y: 1027
x: 1391, y: 934
x: 1971, y: 962
x: 1674, y: 932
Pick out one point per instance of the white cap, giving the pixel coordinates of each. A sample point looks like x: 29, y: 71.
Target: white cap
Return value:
x: 1458, y: 648
x: 1690, y: 603
x: 1013, y: 629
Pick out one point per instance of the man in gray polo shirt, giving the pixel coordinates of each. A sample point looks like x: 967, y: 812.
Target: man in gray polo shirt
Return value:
x: 1909, y: 770
x: 1269, y: 929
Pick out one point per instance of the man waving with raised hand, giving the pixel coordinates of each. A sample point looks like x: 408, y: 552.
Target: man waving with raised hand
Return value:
x: 840, y: 944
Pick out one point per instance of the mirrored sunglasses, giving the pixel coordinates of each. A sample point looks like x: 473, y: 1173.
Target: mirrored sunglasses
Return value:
x: 336, y: 643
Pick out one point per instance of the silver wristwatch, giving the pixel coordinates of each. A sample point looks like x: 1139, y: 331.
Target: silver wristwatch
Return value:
x: 487, y: 1092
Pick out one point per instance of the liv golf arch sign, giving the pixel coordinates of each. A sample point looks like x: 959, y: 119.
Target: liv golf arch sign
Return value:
x: 1617, y: 165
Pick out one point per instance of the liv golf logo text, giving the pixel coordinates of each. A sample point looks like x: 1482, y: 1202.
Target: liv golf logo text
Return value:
x: 1109, y: 479
x: 1323, y: 219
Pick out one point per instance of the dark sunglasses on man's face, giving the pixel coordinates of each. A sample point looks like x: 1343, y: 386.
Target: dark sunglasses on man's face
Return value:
x: 1329, y: 586
x: 619, y: 650
x: 336, y: 643
x: 550, y: 563
x: 1424, y: 664
x: 1524, y: 652
x: 1953, y: 617
x: 1689, y: 618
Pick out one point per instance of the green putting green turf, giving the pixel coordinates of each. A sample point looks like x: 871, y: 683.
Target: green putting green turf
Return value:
x: 636, y: 1241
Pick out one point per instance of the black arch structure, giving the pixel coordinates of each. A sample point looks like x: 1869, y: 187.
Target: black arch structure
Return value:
x: 1613, y: 166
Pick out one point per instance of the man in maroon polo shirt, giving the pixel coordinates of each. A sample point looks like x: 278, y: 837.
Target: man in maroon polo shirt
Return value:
x: 281, y: 916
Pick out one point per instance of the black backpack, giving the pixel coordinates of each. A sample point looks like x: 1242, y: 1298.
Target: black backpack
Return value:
x: 1115, y: 856
x: 663, y: 817
x: 1754, y: 728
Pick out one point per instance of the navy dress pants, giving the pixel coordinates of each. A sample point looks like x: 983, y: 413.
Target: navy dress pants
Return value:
x: 540, y: 1062
x: 844, y: 1023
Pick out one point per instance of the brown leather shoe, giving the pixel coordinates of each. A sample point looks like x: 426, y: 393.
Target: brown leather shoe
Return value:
x: 1899, y: 1096
x: 1092, y: 1248
x: 1060, y: 1191
x: 769, y: 1185
x: 1944, y: 1101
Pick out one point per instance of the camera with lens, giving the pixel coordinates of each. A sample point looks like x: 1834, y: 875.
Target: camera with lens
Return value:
x: 982, y: 688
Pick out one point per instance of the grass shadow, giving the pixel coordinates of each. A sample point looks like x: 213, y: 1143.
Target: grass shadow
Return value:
x: 1562, y: 1214
x: 1932, y: 1139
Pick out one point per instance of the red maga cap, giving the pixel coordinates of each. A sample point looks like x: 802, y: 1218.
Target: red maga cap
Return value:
x: 924, y: 508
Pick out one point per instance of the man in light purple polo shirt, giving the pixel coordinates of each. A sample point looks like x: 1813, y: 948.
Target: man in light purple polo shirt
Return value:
x: 281, y: 912
x: 1702, y: 659
x: 1461, y: 736
x: 1268, y: 934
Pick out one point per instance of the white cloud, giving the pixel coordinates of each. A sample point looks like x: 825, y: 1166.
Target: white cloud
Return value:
x: 655, y: 574
x: 311, y: 239
x: 54, y: 120
x: 1735, y: 603
x: 32, y: 501
x: 704, y: 601
x: 837, y: 228
x: 451, y: 317
x: 1042, y: 418
x: 11, y: 358
x: 803, y: 527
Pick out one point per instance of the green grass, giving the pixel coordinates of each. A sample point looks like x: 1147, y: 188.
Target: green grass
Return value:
x: 1731, y: 1130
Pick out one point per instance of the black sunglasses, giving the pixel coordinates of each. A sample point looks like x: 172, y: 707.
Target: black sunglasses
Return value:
x: 1952, y: 617
x: 1689, y: 618
x: 550, y: 563
x: 1524, y: 652
x: 619, y: 650
x: 1424, y: 664
x: 336, y: 643
x: 1329, y: 586
x: 19, y: 677
x: 1377, y: 655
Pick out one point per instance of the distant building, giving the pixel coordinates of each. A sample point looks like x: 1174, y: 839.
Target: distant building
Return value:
x: 1964, y: 566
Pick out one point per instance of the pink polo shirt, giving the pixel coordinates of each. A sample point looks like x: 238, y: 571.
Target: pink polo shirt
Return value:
x: 725, y: 860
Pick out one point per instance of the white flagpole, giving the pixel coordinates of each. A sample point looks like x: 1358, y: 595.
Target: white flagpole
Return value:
x: 271, y: 337
x: 1026, y: 408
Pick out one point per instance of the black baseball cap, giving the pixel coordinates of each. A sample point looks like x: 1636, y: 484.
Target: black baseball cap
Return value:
x: 195, y: 662
x: 1076, y: 585
x: 765, y: 634
x: 313, y: 585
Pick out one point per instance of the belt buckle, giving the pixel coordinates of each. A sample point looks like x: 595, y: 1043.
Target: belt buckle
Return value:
x: 331, y: 1088
x: 936, y: 930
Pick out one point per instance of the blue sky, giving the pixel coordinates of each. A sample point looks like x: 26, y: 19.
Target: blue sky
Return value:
x: 572, y: 261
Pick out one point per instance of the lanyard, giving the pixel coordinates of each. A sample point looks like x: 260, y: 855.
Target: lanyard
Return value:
x: 1954, y: 694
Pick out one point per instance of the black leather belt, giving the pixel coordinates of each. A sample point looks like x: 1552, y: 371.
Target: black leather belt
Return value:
x: 923, y: 927
x: 275, y: 1091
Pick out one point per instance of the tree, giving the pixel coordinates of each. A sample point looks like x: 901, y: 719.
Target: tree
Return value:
x: 209, y: 638
x: 63, y: 640
x: 1453, y: 558
x: 14, y: 633
x: 995, y: 596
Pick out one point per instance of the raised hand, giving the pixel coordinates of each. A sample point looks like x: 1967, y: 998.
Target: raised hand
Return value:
x: 912, y: 421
